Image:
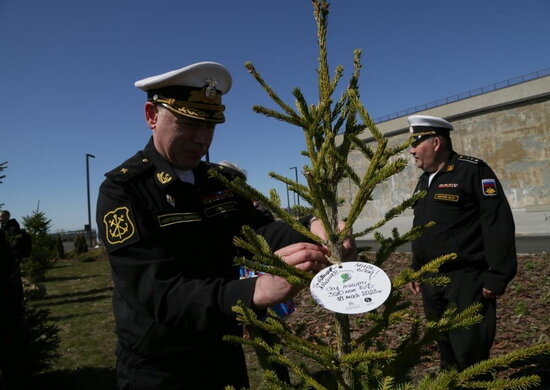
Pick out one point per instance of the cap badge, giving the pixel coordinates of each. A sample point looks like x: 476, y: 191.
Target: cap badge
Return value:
x: 164, y: 177
x: 210, y: 90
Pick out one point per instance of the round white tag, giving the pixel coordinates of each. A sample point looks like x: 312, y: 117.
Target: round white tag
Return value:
x: 351, y: 288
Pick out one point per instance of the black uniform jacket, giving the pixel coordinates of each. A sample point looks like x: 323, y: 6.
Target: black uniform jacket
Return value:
x: 171, y: 250
x: 473, y: 219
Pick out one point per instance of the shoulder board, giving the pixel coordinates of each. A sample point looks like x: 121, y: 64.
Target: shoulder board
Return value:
x: 468, y: 159
x: 130, y: 168
x: 225, y: 170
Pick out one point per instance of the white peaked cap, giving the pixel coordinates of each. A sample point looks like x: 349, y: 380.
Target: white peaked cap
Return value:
x: 429, y: 121
x: 195, y: 75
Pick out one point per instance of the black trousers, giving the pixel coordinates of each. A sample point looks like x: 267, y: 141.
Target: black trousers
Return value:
x: 208, y: 369
x: 463, y: 347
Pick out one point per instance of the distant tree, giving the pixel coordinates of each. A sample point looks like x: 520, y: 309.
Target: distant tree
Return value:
x: 300, y: 211
x: 3, y: 166
x: 80, y: 245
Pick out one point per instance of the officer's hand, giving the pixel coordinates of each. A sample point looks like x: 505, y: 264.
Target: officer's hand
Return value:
x: 271, y: 289
x: 488, y: 294
x: 415, y: 287
x: 349, y: 249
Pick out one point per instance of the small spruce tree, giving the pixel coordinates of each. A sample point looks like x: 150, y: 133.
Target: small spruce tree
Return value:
x: 331, y: 131
x: 43, y: 250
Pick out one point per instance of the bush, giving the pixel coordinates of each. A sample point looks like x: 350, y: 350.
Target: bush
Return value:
x: 98, y: 254
x: 86, y: 257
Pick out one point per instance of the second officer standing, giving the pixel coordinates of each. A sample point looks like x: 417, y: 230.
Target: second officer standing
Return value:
x: 473, y: 219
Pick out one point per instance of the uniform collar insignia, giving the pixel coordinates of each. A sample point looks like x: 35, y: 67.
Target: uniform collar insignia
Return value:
x: 163, y: 177
x: 450, y: 168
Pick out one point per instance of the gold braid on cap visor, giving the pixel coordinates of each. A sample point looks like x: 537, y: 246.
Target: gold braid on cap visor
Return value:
x: 418, y: 135
x: 200, y: 111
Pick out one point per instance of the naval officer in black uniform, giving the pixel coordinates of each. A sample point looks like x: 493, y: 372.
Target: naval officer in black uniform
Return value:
x: 168, y: 228
x: 473, y: 219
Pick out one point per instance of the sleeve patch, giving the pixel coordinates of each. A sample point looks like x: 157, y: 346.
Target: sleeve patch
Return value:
x: 489, y: 187
x: 120, y: 228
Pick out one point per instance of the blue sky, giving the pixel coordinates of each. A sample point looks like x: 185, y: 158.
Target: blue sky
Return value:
x: 67, y: 70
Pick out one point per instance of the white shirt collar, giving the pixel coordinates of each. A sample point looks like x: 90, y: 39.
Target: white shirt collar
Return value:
x: 186, y: 176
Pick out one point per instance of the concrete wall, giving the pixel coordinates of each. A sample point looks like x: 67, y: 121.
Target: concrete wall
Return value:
x: 508, y: 128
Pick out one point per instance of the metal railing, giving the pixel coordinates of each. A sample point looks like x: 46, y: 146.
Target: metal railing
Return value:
x: 465, y: 95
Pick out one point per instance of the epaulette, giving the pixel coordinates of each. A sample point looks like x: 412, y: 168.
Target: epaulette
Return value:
x: 468, y: 159
x: 130, y: 168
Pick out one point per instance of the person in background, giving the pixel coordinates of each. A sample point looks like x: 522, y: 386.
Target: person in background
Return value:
x: 234, y: 168
x: 15, y: 369
x: 473, y: 219
x: 11, y: 228
x: 19, y: 240
x: 241, y: 173
x: 9, y: 225
x: 168, y: 227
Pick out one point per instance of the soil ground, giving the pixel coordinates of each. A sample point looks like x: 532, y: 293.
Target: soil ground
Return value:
x: 523, y: 316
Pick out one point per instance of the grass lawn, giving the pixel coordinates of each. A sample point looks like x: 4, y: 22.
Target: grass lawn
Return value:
x: 79, y: 301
